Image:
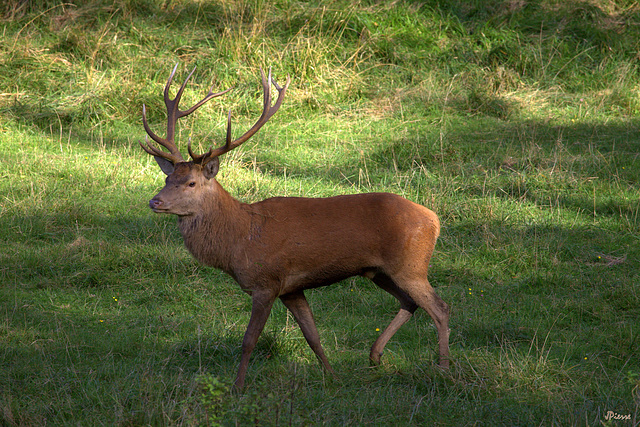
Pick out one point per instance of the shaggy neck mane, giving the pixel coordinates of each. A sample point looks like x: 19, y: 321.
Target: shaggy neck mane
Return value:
x: 212, y: 234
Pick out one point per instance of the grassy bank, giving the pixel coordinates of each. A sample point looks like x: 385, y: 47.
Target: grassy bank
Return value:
x: 517, y: 122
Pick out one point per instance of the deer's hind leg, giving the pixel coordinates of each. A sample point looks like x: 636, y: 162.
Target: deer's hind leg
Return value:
x: 407, y: 308
x: 425, y: 296
x: 413, y: 293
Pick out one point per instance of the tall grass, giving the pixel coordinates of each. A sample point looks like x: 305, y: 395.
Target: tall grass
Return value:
x: 515, y: 121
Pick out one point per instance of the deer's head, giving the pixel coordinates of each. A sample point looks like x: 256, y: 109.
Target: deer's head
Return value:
x: 188, y: 182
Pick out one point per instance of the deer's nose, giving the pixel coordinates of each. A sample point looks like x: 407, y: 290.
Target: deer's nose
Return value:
x: 155, y: 203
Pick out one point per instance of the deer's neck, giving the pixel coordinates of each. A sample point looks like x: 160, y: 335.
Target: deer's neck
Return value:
x: 213, y: 235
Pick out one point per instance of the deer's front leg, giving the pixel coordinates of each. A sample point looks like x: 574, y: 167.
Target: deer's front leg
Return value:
x: 260, y: 309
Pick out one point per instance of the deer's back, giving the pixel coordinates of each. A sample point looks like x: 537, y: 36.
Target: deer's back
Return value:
x: 346, y: 216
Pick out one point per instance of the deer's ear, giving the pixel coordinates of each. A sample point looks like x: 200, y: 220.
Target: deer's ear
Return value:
x: 165, y: 165
x: 210, y: 169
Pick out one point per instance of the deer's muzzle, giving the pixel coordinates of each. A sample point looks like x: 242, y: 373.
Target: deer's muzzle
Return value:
x: 156, y: 204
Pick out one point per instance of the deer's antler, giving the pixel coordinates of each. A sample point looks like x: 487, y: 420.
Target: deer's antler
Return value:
x: 268, y: 110
x: 173, y: 114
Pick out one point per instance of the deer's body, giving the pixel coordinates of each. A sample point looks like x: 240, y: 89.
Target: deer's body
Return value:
x: 310, y: 242
x: 281, y: 246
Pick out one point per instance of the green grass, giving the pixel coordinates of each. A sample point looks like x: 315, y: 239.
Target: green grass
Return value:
x: 517, y: 122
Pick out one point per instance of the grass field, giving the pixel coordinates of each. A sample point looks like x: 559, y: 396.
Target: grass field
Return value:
x: 518, y: 122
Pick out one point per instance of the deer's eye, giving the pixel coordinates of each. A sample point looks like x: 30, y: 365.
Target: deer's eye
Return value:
x: 192, y: 184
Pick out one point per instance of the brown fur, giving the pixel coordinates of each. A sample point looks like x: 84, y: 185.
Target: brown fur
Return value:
x: 281, y: 246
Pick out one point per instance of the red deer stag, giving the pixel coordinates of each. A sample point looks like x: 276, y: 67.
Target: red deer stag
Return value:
x: 281, y: 246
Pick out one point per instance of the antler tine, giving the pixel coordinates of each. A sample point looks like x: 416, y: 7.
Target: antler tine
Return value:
x: 268, y: 110
x: 173, y: 114
x: 169, y: 80
x: 156, y: 152
x: 197, y: 158
x: 209, y: 96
